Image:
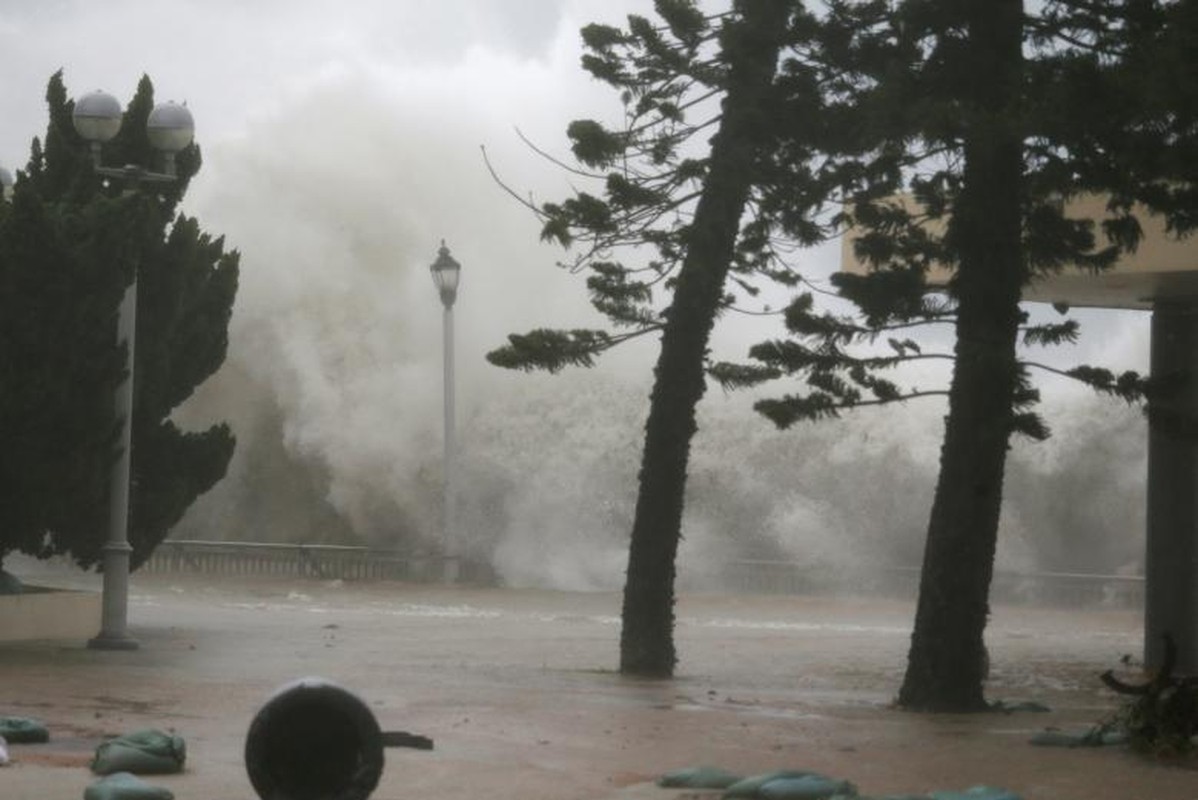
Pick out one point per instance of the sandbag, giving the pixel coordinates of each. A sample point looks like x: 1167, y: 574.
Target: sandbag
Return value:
x: 698, y: 778
x: 750, y: 786
x: 23, y: 730
x: 806, y: 787
x: 977, y: 793
x: 125, y: 786
x: 144, y: 752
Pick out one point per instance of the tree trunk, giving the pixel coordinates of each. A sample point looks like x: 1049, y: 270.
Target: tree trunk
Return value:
x: 751, y: 46
x: 946, y: 665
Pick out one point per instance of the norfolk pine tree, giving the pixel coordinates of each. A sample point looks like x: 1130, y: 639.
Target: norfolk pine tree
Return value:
x: 187, y: 283
x: 692, y: 210
x: 1023, y: 135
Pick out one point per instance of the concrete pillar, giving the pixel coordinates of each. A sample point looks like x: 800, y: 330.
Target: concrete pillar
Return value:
x: 1171, y: 559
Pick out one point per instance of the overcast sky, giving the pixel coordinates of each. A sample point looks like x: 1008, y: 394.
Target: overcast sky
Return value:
x: 233, y: 60
x: 341, y: 144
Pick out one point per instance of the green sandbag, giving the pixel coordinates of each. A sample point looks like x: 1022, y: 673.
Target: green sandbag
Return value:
x: 698, y: 778
x: 124, y: 786
x: 807, y: 787
x: 23, y: 730
x: 977, y: 793
x: 751, y: 786
x: 145, y: 752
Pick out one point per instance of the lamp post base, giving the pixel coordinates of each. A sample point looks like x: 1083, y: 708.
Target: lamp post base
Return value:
x: 103, y: 642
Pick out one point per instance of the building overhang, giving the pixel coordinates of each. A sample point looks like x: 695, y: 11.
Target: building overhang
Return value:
x: 1162, y: 269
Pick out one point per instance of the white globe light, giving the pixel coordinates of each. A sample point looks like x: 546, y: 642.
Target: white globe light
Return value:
x: 170, y: 127
x: 97, y: 116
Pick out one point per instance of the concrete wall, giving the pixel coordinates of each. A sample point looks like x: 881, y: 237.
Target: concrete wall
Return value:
x: 49, y: 614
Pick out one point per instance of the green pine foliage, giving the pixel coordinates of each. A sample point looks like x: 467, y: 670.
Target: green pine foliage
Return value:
x: 1102, y: 116
x: 68, y: 244
x: 952, y: 137
x: 628, y: 230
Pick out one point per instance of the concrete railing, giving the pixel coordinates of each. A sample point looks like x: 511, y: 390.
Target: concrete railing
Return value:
x: 1007, y: 586
x: 321, y: 561
x: 757, y: 576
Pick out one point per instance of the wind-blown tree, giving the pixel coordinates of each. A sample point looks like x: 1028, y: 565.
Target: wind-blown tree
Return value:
x: 697, y: 209
x: 62, y: 271
x: 989, y: 120
x: 68, y: 248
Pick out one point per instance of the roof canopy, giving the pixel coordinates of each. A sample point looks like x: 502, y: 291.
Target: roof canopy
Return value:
x: 1163, y: 268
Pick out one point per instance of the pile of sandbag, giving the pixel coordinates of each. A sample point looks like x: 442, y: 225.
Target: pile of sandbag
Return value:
x: 802, y: 785
x: 119, y: 759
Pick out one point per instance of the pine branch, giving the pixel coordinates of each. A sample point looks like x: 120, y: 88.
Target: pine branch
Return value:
x: 1129, y: 386
x: 790, y: 409
x: 553, y: 350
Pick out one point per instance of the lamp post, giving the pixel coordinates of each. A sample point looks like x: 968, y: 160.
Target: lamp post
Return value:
x: 446, y: 272
x: 97, y: 118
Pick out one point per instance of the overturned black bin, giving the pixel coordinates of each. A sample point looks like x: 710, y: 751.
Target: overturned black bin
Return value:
x: 314, y: 740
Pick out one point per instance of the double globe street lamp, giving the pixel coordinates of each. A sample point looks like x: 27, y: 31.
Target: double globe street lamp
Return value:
x: 170, y: 128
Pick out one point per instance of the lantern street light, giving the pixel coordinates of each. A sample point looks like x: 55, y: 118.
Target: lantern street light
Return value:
x: 97, y: 118
x: 446, y: 272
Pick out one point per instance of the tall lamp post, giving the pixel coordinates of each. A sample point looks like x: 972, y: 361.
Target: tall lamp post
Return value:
x: 97, y: 118
x: 446, y: 272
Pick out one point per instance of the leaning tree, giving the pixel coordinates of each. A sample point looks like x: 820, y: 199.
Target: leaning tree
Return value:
x: 681, y: 179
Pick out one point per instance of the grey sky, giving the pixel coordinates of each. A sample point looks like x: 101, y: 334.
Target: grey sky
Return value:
x: 341, y: 143
x: 231, y: 60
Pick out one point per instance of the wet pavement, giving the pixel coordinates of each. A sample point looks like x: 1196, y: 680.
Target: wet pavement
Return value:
x: 518, y: 690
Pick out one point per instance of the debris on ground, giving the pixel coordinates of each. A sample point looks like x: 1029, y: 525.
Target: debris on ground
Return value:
x: 1097, y: 736
x: 1160, y: 716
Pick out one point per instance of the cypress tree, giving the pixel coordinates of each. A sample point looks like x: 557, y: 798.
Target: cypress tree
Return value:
x: 68, y: 248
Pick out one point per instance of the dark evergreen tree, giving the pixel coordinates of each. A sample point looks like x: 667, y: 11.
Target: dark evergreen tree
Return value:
x: 697, y: 210
x: 62, y: 361
x: 62, y: 274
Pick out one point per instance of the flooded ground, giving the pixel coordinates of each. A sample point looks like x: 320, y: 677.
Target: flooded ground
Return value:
x: 518, y: 690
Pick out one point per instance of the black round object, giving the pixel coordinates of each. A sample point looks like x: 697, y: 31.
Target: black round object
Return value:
x: 314, y: 740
